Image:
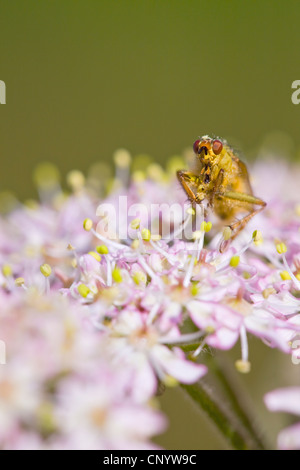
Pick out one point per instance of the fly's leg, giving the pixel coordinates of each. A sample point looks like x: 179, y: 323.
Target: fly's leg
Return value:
x: 216, y: 188
x: 238, y: 226
x: 187, y: 181
x: 190, y: 183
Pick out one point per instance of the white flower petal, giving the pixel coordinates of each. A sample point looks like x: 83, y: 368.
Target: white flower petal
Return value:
x: 284, y: 399
x: 181, y: 369
x: 289, y: 438
x: 223, y: 338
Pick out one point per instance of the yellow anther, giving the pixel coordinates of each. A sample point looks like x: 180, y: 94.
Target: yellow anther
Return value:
x: 139, y: 277
x: 116, y: 275
x: 298, y: 276
x: 76, y: 180
x: 46, y: 175
x: 46, y: 269
x: 234, y: 261
x: 83, y: 290
x: 70, y: 247
x: 155, y: 172
x: 135, y: 224
x: 285, y: 276
x: 191, y: 211
x: 227, y: 233
x: 297, y: 209
x: 194, y: 289
x: 122, y: 158
x: 210, y: 329
x: 208, y: 226
x: 281, y: 248
x: 155, y: 237
x: 74, y: 263
x: 175, y: 163
x: 102, y: 249
x: 197, y: 234
x: 138, y: 176
x: 268, y: 291
x: 6, y: 270
x: 243, y: 366
x: 203, y: 226
x: 257, y: 237
x: 146, y: 234
x: 87, y: 224
x: 46, y: 417
x: 95, y: 255
x: 246, y: 275
x: 31, y: 204
x: 135, y: 244
x: 19, y: 281
x: 170, y: 381
x: 141, y: 162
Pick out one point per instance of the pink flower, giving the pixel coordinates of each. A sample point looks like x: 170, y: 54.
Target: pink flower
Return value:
x: 286, y: 400
x: 142, y: 344
x: 108, y: 418
x: 90, y: 337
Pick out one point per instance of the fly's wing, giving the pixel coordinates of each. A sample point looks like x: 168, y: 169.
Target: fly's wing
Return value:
x: 242, y: 182
x: 195, y: 166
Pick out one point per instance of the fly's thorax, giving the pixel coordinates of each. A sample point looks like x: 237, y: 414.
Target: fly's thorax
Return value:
x: 226, y: 162
x: 215, y: 172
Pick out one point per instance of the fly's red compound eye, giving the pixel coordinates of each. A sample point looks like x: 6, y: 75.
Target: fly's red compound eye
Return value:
x: 217, y: 147
x: 196, y: 146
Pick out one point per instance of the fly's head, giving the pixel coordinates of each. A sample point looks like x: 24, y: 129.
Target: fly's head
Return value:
x: 208, y: 151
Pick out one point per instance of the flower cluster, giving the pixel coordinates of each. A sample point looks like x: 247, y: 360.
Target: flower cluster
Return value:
x: 93, y: 324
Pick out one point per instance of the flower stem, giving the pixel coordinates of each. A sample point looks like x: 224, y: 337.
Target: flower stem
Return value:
x: 237, y: 401
x: 225, y: 418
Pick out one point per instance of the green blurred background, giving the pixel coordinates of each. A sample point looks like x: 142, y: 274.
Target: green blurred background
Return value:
x: 86, y: 77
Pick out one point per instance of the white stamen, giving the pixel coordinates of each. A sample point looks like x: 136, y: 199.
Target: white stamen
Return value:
x: 109, y: 242
x: 153, y: 313
x: 244, y: 343
x: 199, y: 349
x: 122, y: 176
x: 180, y: 229
x: 188, y: 338
x: 293, y: 277
x: 97, y: 323
x: 200, y: 245
x: 274, y: 261
x: 47, y: 285
x: 149, y: 271
x: 141, y: 244
x: 225, y: 263
x: 172, y: 260
x: 189, y: 272
x: 108, y: 271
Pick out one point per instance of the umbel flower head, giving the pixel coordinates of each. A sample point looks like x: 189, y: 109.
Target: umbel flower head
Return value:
x: 102, y: 290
